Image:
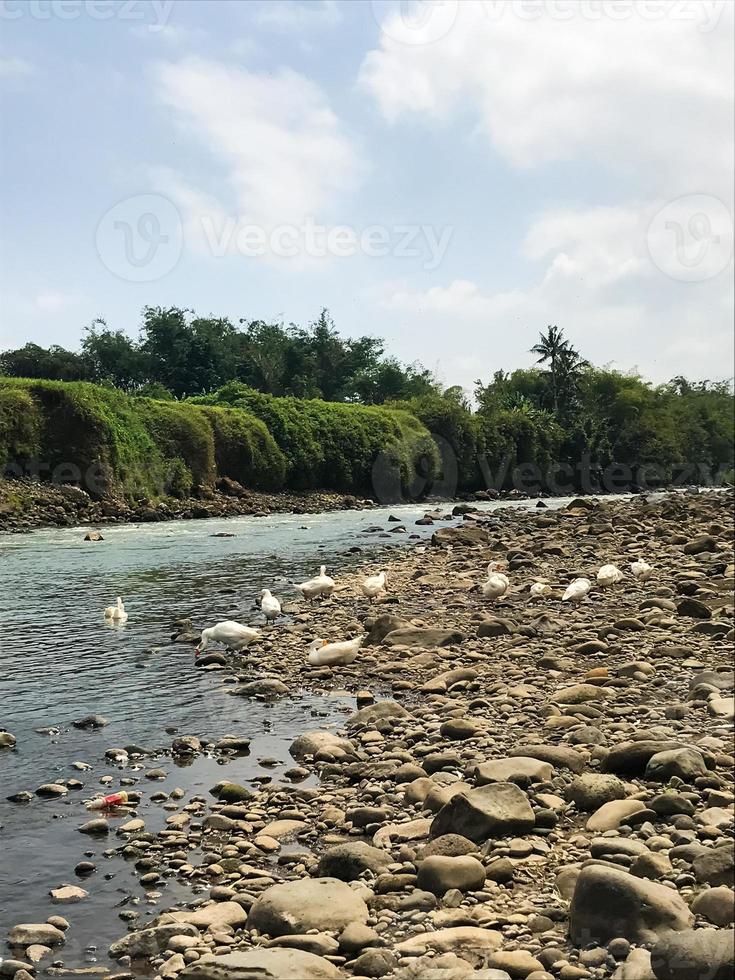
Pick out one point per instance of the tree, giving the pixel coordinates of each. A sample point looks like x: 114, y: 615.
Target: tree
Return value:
x: 565, y: 365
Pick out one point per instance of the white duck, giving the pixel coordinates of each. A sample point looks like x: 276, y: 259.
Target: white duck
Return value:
x: 496, y: 584
x: 320, y: 585
x: 231, y: 634
x: 539, y: 590
x: 269, y: 605
x: 373, y: 585
x: 609, y: 575
x: 117, y: 612
x: 641, y: 570
x: 323, y: 654
x: 577, y: 590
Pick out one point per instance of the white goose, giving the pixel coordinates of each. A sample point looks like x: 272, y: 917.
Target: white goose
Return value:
x: 231, y: 634
x: 373, y: 585
x: 496, y: 584
x: 641, y: 570
x: 320, y: 585
x: 269, y: 605
x: 323, y: 654
x: 539, y: 590
x: 117, y: 612
x: 609, y: 575
x: 577, y: 590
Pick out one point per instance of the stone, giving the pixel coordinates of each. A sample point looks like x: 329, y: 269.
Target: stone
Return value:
x: 488, y: 811
x: 495, y: 626
x: 52, y: 790
x: 375, y: 963
x: 581, y: 694
x: 425, y: 638
x: 145, y: 943
x: 308, y: 903
x: 685, y: 763
x: 462, y: 537
x: 263, y: 964
x: 68, y: 893
x: 517, y: 963
x: 592, y: 790
x: 91, y: 721
x: 35, y: 934
x: 631, y: 758
x: 700, y: 544
x: 97, y: 827
x: 716, y: 904
x: 466, y: 939
x: 438, y: 874
x: 366, y: 717
x: 510, y: 770
x: 697, y: 954
x: 458, y: 729
x: 559, y: 756
x: 716, y: 866
x: 214, y: 915
x: 610, y: 815
x: 608, y: 903
x: 349, y: 860
x: 320, y: 741
x: 637, y: 966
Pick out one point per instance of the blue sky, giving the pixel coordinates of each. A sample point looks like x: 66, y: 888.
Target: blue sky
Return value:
x: 449, y: 176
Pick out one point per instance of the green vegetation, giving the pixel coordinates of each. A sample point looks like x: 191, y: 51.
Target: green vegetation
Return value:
x: 281, y: 407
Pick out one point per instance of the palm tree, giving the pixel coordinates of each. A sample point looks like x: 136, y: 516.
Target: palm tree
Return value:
x: 552, y: 348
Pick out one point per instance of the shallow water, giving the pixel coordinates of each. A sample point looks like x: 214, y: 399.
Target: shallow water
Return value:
x: 59, y: 661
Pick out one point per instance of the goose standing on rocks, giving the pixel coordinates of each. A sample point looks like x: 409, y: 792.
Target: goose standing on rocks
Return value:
x: 117, y: 612
x: 577, y: 590
x: 609, y: 575
x: 323, y: 654
x: 231, y: 634
x: 269, y: 605
x: 373, y: 585
x: 496, y: 584
x: 320, y: 585
x: 641, y: 570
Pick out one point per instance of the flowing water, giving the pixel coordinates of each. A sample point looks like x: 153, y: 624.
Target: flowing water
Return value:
x: 60, y: 662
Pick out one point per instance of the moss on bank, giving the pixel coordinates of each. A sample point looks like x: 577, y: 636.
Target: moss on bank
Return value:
x: 114, y: 444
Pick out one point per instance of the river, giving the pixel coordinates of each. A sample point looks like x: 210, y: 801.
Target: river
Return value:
x: 59, y: 661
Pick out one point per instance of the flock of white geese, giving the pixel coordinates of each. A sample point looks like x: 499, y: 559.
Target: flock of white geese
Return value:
x: 235, y: 636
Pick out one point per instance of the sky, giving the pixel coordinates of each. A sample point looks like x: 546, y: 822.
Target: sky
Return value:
x: 450, y: 176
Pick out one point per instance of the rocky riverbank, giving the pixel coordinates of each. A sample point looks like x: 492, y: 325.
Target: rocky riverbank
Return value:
x: 28, y: 504
x: 526, y: 789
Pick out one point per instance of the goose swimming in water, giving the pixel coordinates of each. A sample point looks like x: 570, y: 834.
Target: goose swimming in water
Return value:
x: 320, y: 585
x: 231, y: 634
x: 117, y: 612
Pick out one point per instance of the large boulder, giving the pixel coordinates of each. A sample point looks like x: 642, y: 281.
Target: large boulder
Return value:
x: 380, y: 627
x: 463, y: 537
x: 488, y: 811
x: 211, y: 916
x: 685, y: 763
x: 348, y: 861
x: 35, y: 934
x: 716, y: 865
x: 263, y: 964
x: 512, y: 770
x: 609, y: 903
x: 324, y: 904
x: 320, y: 741
x: 438, y: 874
x: 591, y: 790
x: 631, y: 758
x: 697, y: 954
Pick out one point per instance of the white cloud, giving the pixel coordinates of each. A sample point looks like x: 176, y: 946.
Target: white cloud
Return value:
x: 648, y: 97
x: 282, y: 149
x: 598, y: 283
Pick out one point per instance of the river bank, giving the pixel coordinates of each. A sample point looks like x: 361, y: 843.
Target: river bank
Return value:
x: 508, y: 770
